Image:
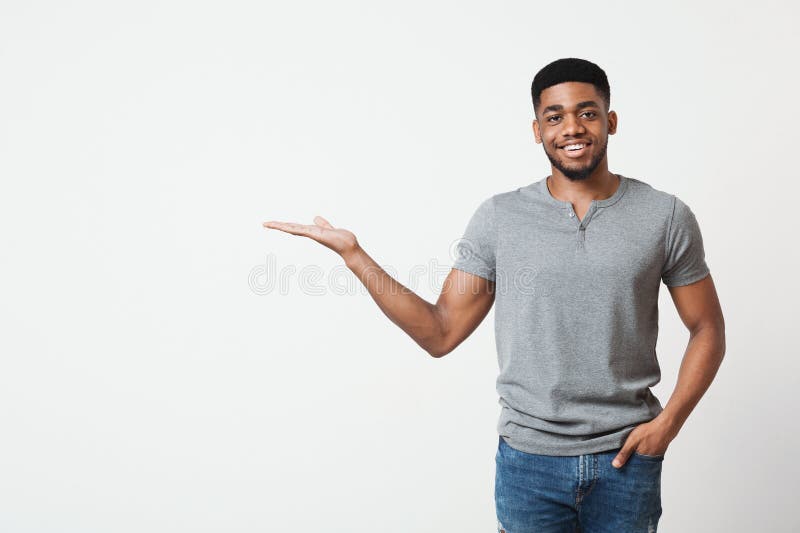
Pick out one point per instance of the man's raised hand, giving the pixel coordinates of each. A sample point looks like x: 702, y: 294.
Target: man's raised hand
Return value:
x: 339, y: 240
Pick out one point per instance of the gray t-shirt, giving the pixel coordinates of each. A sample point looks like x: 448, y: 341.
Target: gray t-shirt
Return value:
x: 576, y: 308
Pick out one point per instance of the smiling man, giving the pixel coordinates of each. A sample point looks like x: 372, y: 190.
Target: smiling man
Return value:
x: 573, y: 263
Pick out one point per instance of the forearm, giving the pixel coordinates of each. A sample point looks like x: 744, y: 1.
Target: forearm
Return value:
x: 417, y: 317
x: 701, y: 361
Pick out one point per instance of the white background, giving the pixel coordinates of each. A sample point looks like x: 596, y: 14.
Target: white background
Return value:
x: 147, y: 383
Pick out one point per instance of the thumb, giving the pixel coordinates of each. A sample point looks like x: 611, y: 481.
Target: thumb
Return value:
x: 322, y: 222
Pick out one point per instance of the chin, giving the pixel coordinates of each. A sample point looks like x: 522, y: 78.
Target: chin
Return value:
x: 577, y: 175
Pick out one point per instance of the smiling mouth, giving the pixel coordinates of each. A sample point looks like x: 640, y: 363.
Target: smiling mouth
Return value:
x: 575, y: 149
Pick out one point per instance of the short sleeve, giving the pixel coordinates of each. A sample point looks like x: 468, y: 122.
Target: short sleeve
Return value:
x: 685, y: 256
x: 475, y: 251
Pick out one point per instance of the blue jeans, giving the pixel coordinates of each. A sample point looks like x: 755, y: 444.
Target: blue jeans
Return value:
x: 577, y: 493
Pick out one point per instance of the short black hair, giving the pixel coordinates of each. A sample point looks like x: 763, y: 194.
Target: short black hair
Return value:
x: 570, y: 69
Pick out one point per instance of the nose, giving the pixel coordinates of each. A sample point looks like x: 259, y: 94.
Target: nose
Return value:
x: 572, y: 126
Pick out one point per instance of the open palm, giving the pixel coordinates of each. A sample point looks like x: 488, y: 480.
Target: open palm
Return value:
x: 337, y: 239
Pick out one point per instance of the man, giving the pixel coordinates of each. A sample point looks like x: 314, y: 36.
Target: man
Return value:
x: 574, y: 263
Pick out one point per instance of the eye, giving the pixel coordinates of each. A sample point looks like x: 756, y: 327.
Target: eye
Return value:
x: 551, y: 117
x: 592, y: 113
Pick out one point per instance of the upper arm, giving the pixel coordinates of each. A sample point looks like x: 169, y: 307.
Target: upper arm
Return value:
x: 468, y: 291
x: 698, y: 305
x: 684, y: 261
x: 464, y: 302
x: 686, y: 274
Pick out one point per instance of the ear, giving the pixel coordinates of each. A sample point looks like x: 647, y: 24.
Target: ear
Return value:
x: 537, y: 135
x: 612, y: 122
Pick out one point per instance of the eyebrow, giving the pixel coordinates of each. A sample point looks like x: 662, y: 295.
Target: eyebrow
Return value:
x: 559, y: 107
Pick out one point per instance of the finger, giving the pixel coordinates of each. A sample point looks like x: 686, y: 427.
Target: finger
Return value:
x: 289, y: 227
x: 322, y: 222
x: 622, y: 457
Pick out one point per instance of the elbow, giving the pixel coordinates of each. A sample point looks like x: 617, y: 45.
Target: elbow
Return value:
x: 439, y: 347
x: 714, y: 332
x: 439, y: 344
x: 438, y: 351
x: 721, y: 337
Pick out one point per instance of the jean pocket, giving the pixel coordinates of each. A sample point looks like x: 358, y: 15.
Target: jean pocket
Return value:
x: 649, y: 457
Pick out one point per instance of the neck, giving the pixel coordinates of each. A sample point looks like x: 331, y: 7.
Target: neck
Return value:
x: 600, y: 184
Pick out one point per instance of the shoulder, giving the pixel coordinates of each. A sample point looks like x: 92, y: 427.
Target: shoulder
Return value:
x: 498, y: 203
x: 655, y: 202
x: 645, y: 193
x: 528, y: 195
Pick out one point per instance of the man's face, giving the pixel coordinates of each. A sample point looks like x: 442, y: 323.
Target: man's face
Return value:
x: 570, y: 114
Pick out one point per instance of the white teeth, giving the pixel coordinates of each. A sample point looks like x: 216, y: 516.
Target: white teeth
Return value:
x: 574, y: 147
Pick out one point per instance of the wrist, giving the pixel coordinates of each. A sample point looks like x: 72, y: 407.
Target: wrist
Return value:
x: 668, y: 422
x: 351, y: 255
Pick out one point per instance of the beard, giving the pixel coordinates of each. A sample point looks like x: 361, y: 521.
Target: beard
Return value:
x: 577, y: 174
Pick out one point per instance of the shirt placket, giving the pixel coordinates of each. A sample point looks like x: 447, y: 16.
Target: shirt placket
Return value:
x: 581, y: 224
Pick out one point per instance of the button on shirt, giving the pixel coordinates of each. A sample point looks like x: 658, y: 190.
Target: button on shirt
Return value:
x: 576, y: 308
